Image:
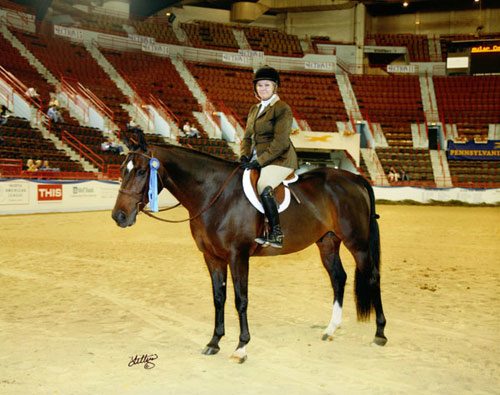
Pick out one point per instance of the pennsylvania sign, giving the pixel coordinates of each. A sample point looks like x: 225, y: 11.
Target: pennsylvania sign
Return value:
x: 474, y: 151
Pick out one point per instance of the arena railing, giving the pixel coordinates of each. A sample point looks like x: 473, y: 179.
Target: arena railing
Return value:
x: 10, y: 167
x: 17, y: 86
x: 83, y: 150
x: 163, y: 109
x: 73, y: 88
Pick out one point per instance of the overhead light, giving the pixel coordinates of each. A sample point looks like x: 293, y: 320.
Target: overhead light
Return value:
x: 405, y: 4
x: 477, y: 1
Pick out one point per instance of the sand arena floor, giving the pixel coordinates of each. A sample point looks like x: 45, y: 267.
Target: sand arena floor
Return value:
x: 80, y: 297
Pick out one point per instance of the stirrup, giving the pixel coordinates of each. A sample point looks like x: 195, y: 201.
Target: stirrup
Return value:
x: 263, y: 241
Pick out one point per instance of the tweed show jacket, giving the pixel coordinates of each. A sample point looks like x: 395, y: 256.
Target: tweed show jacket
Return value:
x: 269, y: 134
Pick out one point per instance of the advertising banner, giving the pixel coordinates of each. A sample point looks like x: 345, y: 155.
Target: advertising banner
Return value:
x: 471, y: 150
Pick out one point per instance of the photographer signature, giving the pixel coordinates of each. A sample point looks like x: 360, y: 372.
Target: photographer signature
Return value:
x: 145, y: 359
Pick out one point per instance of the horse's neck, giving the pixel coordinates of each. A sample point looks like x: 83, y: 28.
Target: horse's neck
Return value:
x: 192, y: 177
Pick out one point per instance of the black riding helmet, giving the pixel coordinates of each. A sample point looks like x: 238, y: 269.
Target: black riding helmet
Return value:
x: 266, y: 73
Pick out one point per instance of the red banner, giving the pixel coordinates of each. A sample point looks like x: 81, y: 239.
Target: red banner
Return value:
x: 49, y: 192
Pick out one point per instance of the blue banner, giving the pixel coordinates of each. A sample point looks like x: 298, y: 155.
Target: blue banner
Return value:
x: 471, y: 150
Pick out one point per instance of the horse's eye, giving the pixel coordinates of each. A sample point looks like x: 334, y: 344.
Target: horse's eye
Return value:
x: 141, y: 172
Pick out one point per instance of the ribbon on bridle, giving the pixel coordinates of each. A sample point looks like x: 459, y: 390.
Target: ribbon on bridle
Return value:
x: 154, y: 165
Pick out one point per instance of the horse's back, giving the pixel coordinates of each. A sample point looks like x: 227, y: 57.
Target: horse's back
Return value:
x: 329, y: 200
x: 339, y: 183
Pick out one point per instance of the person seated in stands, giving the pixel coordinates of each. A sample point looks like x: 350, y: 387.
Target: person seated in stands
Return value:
x: 32, y: 94
x: 190, y: 131
x: 4, y: 114
x: 30, y: 165
x: 54, y: 102
x: 54, y: 114
x: 403, y: 175
x: 460, y: 139
x: 45, y: 166
x: 393, y: 175
x: 112, y: 146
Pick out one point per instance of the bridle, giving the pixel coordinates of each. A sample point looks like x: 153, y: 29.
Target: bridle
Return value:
x: 144, y: 193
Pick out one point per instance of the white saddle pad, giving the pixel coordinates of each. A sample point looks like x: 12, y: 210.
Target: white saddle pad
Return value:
x: 254, y: 199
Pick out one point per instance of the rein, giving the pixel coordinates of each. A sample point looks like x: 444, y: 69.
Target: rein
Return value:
x: 149, y: 212
x: 210, y: 204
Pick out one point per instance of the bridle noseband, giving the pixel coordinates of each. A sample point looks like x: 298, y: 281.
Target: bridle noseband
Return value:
x: 129, y: 192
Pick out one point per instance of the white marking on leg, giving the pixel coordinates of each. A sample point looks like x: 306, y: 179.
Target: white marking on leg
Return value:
x: 239, y: 355
x: 336, y: 319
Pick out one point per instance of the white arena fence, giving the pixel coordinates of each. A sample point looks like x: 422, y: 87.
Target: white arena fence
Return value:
x: 20, y: 196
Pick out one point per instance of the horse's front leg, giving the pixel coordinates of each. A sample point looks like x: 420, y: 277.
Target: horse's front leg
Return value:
x: 218, y: 274
x: 239, y: 274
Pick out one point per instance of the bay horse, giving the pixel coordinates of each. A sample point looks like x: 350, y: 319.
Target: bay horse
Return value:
x: 335, y: 206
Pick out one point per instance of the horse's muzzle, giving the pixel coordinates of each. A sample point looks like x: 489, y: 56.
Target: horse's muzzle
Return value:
x: 122, y: 219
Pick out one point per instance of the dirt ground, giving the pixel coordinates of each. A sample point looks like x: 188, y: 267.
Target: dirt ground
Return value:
x: 80, y: 297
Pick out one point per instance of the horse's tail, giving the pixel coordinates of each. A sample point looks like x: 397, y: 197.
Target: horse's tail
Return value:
x: 368, y: 277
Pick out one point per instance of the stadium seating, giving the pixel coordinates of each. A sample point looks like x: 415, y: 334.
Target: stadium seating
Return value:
x: 393, y: 101
x: 469, y: 102
x: 71, y: 60
x: 152, y: 75
x: 211, y: 35
x: 23, y: 70
x: 229, y: 85
x: 314, y: 97
x: 273, y: 42
x: 475, y: 174
x: 23, y: 142
x: 417, y: 44
x: 416, y: 162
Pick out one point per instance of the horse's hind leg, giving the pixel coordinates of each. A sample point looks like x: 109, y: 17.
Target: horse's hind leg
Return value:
x: 218, y: 274
x: 329, y: 246
x: 367, y: 290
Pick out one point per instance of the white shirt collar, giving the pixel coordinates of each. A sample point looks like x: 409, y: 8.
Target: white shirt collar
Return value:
x: 265, y: 103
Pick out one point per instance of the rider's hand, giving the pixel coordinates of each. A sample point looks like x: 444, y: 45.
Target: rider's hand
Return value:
x: 244, y: 159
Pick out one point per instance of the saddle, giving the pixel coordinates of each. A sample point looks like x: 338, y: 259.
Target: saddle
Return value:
x: 281, y: 192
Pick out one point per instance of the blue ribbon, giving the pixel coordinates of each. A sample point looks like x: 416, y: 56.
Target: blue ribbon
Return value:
x: 154, y: 165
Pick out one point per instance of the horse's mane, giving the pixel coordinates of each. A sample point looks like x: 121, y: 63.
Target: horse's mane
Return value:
x: 196, y: 153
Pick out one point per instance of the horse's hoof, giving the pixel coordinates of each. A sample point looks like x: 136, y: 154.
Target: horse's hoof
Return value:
x: 239, y: 355
x: 326, y: 337
x: 238, y: 359
x: 380, y: 341
x: 210, y: 350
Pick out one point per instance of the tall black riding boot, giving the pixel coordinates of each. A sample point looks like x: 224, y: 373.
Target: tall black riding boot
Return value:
x: 275, y: 236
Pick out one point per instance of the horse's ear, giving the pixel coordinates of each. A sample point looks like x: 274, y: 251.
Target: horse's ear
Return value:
x: 136, y: 141
x: 128, y: 143
x: 141, y: 140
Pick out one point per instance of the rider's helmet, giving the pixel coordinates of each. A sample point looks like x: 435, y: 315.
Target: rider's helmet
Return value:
x: 266, y: 73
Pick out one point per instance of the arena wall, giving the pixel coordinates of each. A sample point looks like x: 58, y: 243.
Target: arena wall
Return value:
x: 39, y: 196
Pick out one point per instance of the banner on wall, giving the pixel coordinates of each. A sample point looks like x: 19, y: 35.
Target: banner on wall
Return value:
x: 48, y: 196
x: 471, y: 150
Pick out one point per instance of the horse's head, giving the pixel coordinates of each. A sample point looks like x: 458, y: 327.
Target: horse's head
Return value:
x: 133, y: 194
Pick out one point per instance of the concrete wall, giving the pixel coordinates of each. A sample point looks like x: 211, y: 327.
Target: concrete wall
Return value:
x: 455, y: 22
x: 338, y: 25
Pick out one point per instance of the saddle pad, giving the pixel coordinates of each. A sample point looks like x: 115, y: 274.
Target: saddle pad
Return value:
x: 254, y: 199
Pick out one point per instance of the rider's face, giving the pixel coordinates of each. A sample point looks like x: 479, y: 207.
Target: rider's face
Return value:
x: 265, y: 89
